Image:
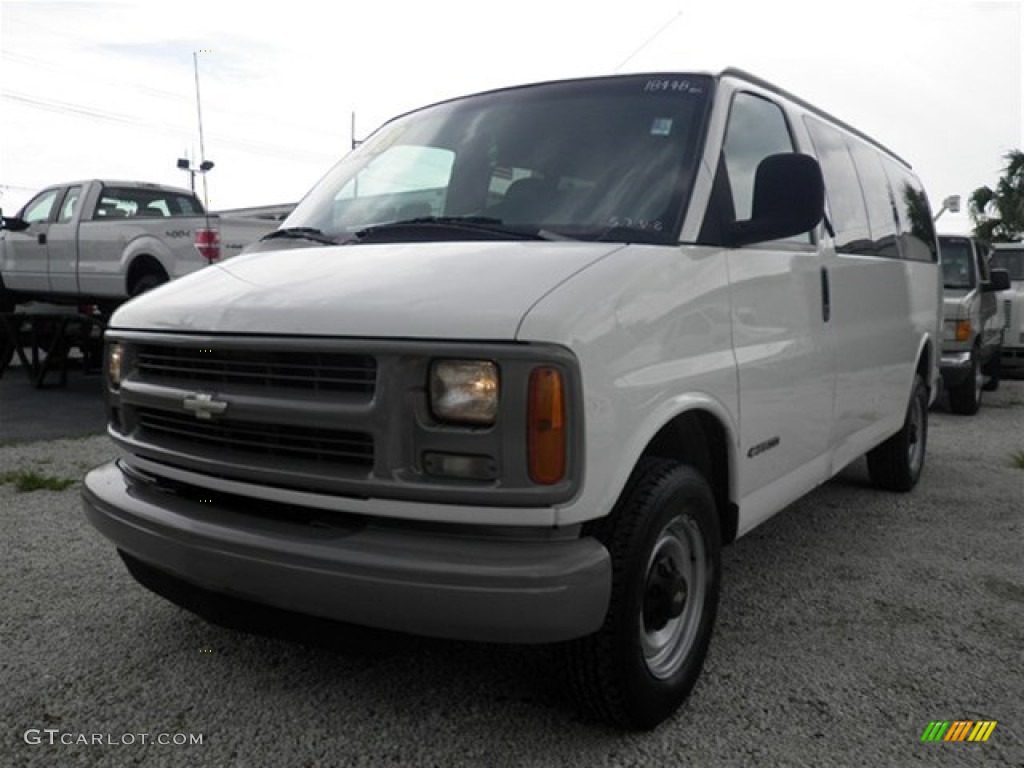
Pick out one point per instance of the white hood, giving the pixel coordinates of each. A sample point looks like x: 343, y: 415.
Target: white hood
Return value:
x: 450, y: 290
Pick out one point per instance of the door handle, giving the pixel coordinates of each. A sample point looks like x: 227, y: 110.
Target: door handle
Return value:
x: 826, y: 296
x: 42, y: 238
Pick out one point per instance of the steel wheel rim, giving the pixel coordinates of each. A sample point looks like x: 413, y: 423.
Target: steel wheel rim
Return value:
x: 665, y: 649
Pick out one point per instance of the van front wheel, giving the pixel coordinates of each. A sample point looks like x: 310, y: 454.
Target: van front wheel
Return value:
x: 664, y: 543
x: 896, y: 464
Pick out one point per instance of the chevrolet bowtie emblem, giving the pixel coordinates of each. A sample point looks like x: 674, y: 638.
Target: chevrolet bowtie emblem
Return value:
x: 204, y: 406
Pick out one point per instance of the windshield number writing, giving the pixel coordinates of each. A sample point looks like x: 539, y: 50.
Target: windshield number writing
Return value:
x: 670, y: 86
x: 645, y: 225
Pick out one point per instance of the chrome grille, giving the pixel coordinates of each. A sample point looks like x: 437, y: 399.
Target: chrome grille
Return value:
x: 316, y: 371
x: 327, y: 446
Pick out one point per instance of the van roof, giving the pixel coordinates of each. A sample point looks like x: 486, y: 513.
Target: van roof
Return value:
x: 740, y: 74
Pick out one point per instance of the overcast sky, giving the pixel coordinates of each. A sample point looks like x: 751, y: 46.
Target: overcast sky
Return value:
x: 106, y: 89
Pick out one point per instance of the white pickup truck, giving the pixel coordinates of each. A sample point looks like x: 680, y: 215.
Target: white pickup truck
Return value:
x: 105, y: 241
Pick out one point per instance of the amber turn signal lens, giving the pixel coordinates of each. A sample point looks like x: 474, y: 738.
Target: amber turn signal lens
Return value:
x: 546, y: 436
x: 963, y: 330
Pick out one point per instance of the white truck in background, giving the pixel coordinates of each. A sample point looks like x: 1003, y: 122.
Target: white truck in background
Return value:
x: 102, y: 242
x: 1010, y: 305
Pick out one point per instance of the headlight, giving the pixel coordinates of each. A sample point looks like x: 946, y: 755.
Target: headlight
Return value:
x: 115, y: 359
x: 464, y: 391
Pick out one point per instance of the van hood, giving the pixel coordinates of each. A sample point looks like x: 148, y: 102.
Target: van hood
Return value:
x: 464, y: 290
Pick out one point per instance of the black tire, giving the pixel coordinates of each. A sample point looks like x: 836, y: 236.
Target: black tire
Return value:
x: 994, y: 371
x: 146, y: 282
x: 896, y: 464
x: 7, y: 302
x: 665, y: 549
x: 6, y: 351
x: 965, y: 398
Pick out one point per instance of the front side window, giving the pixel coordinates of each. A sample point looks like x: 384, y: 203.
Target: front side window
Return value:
x: 603, y: 159
x: 757, y: 129
x: 39, y: 208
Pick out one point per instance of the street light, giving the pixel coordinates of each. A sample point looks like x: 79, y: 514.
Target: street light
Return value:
x: 185, y: 165
x: 951, y: 204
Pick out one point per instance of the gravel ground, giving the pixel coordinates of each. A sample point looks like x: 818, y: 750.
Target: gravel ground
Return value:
x: 847, y: 623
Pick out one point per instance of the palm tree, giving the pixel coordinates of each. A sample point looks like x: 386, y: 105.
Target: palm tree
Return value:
x: 999, y: 214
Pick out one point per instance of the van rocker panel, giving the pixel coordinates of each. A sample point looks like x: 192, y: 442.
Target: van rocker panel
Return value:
x: 462, y: 587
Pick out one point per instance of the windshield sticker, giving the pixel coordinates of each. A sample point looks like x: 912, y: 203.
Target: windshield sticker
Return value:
x: 669, y: 85
x: 645, y: 225
x: 662, y: 126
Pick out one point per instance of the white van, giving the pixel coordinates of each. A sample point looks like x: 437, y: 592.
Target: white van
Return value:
x: 1010, y: 304
x: 521, y: 364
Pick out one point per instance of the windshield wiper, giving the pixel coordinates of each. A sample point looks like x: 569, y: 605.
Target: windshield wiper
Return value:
x: 300, y: 233
x: 473, y: 225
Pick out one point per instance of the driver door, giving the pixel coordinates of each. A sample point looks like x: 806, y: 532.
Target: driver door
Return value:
x: 26, y: 265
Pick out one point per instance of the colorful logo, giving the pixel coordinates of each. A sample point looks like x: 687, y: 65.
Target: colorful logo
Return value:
x: 958, y: 730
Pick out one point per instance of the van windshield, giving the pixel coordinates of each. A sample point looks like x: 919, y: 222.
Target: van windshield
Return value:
x: 1010, y: 259
x: 603, y: 159
x: 956, y: 264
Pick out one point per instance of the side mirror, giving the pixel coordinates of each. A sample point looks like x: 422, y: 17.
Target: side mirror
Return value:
x: 13, y: 223
x: 789, y: 198
x: 999, y: 280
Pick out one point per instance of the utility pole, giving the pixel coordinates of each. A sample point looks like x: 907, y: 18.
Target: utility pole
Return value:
x: 199, y: 114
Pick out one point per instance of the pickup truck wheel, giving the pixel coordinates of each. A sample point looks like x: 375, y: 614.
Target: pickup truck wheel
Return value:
x: 994, y: 371
x: 664, y: 543
x: 896, y: 464
x: 966, y: 397
x: 147, y: 282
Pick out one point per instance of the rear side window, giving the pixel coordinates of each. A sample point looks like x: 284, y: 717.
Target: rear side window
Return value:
x: 917, y: 233
x: 1010, y: 259
x: 126, y: 202
x: 847, y: 211
x: 878, y: 197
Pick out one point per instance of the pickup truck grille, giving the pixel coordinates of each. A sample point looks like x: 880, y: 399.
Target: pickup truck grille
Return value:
x: 323, y: 446
x: 316, y: 371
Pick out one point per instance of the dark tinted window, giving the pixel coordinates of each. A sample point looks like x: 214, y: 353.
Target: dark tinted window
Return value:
x: 847, y: 213
x: 878, y: 197
x: 917, y: 233
x: 1010, y: 259
x: 607, y: 159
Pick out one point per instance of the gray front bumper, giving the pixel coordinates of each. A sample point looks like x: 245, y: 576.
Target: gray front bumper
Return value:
x: 519, y: 590
x: 955, y: 367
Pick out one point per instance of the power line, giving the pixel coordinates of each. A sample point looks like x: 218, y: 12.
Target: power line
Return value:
x: 88, y: 113
x: 649, y: 40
